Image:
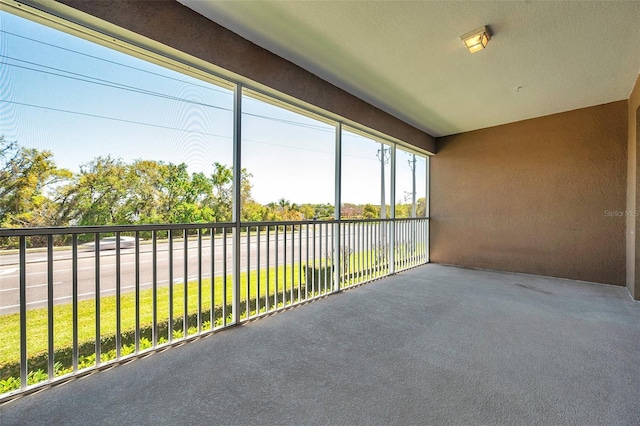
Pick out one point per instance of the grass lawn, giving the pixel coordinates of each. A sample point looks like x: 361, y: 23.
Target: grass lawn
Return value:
x: 37, y: 319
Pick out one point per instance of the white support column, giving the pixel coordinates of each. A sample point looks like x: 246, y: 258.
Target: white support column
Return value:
x: 392, y: 245
x: 237, y: 178
x: 427, y: 202
x: 338, y: 195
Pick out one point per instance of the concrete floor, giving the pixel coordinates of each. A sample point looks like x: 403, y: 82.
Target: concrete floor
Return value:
x: 434, y: 345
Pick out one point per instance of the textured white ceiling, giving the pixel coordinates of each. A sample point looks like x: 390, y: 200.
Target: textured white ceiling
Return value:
x: 406, y: 57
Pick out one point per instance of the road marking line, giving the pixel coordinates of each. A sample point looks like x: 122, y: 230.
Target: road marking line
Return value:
x: 31, y: 286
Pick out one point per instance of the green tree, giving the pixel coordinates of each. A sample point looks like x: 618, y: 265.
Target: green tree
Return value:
x: 99, y: 194
x: 26, y: 175
x: 370, y: 212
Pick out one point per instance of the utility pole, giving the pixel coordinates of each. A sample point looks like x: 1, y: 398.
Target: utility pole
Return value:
x: 383, y: 155
x: 412, y: 166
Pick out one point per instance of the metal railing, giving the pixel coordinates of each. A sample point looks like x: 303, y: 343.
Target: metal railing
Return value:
x: 75, y: 299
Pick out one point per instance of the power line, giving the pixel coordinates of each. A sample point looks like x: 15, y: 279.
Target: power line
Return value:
x: 107, y: 83
x: 113, y: 62
x: 287, y: 146
x: 113, y: 118
x: 120, y: 86
x: 296, y: 123
x: 151, y: 125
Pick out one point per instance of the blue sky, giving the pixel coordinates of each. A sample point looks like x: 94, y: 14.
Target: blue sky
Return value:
x: 81, y: 100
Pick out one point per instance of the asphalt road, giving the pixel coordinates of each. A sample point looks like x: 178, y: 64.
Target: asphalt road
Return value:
x: 37, y: 274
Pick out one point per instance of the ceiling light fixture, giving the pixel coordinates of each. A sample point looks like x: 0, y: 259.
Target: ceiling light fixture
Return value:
x: 477, y: 39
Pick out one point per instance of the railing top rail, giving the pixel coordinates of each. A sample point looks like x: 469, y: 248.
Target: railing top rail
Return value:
x: 286, y: 222
x: 397, y: 219
x: 70, y: 230
x: 62, y: 230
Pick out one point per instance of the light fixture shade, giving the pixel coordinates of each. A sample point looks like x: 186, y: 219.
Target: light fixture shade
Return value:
x: 477, y: 39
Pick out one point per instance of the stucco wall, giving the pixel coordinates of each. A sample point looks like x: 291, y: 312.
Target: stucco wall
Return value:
x: 632, y: 240
x: 176, y: 26
x: 541, y: 196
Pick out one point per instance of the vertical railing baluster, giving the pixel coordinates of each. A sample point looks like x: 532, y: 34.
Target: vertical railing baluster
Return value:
x: 74, y: 300
x: 342, y: 235
x: 284, y: 272
x: 425, y: 241
x: 427, y: 238
x: 398, y: 262
x: 50, y: 306
x: 414, y: 243
x: 248, y: 276
x: 361, y: 251
x: 367, y: 251
x: 350, y: 244
x: 420, y: 233
x: 185, y: 277
x: 154, y: 284
x: 313, y: 271
x: 299, y: 261
x: 392, y: 246
x: 347, y: 254
x: 199, y: 280
x: 97, y: 295
x: 137, y: 292
x: 334, y: 273
x: 360, y: 235
x: 23, y: 312
x: 383, y: 247
x: 378, y: 249
x: 400, y: 246
x: 374, y: 249
x: 352, y: 248
x: 326, y: 263
x: 224, y: 276
x: 422, y: 241
x: 420, y: 236
x: 212, y: 315
x: 399, y: 240
x: 382, y: 250
x: 329, y: 280
x: 356, y: 245
x: 258, y: 270
x: 417, y: 256
x: 364, y: 251
x: 331, y: 283
x: 370, y: 248
x: 293, y: 260
x: 170, y: 321
x: 306, y: 271
x: 340, y: 254
x: 266, y: 300
x: 277, y: 266
x: 118, y: 302
x: 407, y: 245
x: 404, y: 244
x: 405, y: 227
